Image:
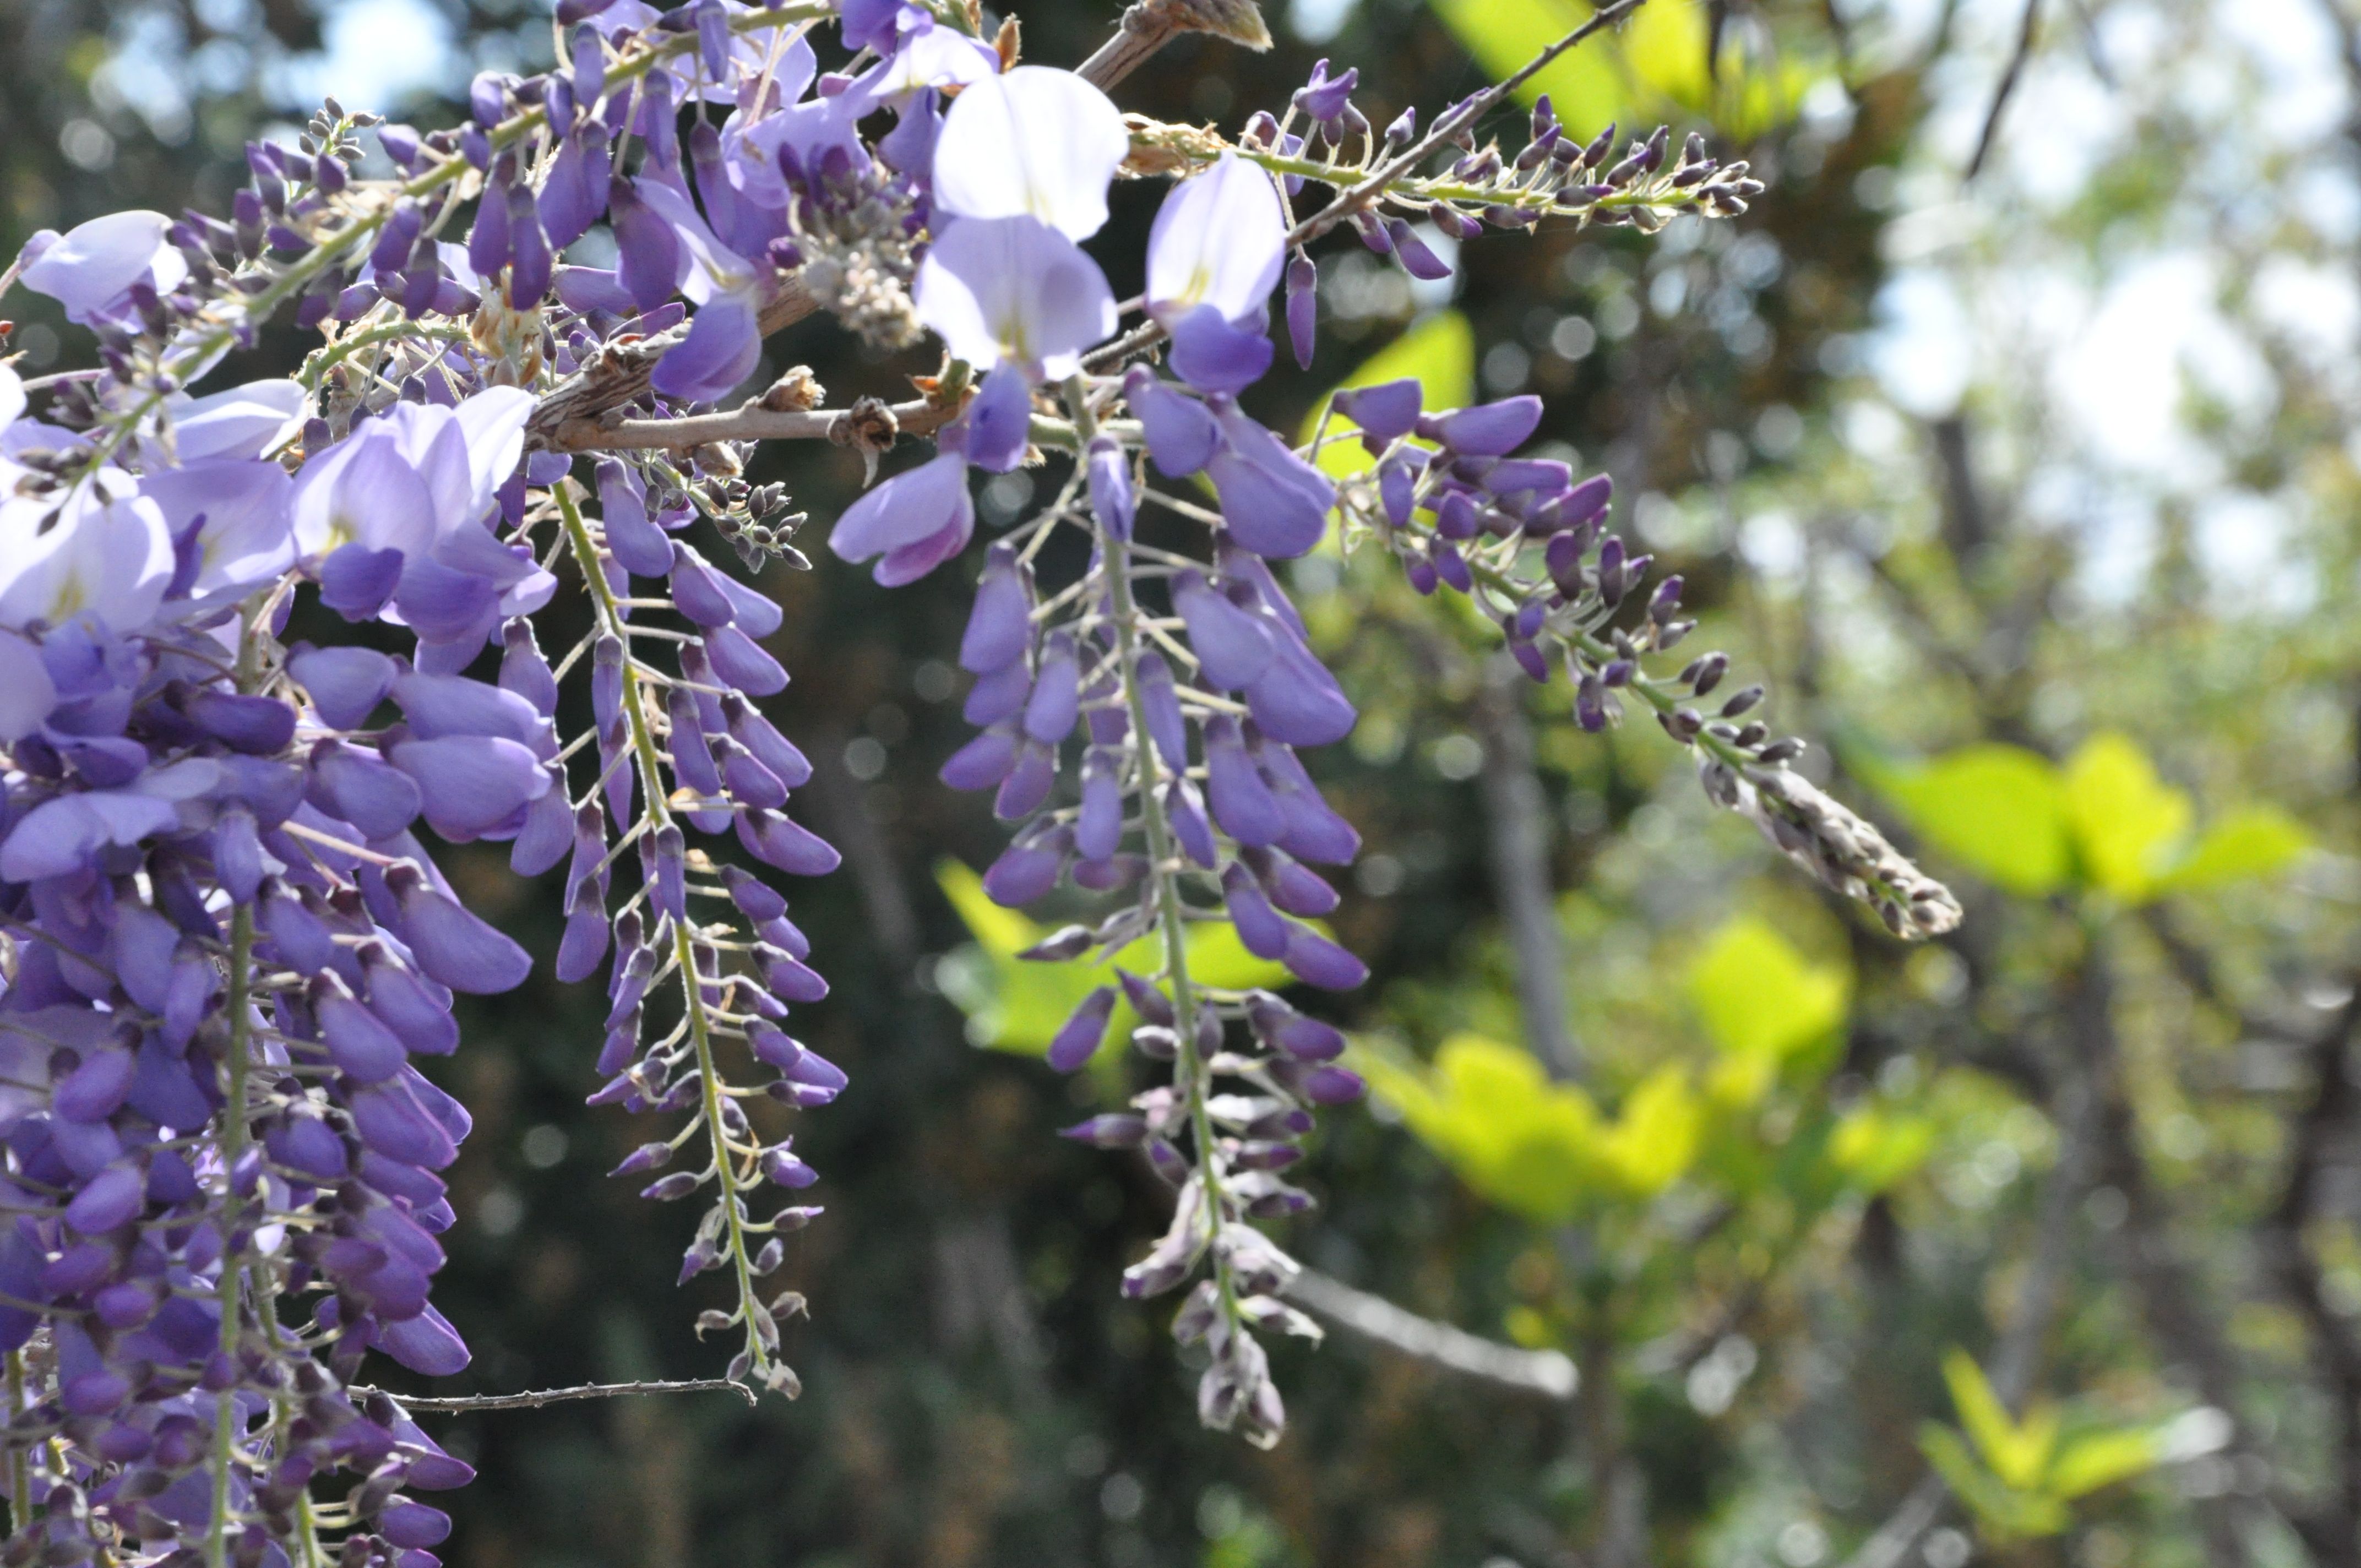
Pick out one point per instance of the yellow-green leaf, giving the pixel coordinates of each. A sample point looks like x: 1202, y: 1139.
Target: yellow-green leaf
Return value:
x: 1757, y: 996
x: 1492, y: 1113
x: 1655, y: 1140
x: 2257, y: 842
x: 1987, y: 1420
x: 1651, y: 68
x: 1584, y: 84
x: 1999, y: 810
x: 2125, y: 819
x: 1439, y: 353
x: 2100, y: 1459
x: 1875, y: 1149
x: 2001, y: 1511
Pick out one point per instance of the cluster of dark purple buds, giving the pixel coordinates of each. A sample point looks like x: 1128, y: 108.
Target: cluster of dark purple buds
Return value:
x: 1554, y: 174
x: 1529, y: 542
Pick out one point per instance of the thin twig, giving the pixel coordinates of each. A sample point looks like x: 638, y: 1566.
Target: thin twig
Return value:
x: 1548, y: 1373
x: 1516, y: 819
x: 749, y: 421
x: 2024, y: 51
x: 2017, y: 1355
x: 1149, y: 25
x: 2335, y: 1352
x: 535, y: 1398
x: 620, y: 376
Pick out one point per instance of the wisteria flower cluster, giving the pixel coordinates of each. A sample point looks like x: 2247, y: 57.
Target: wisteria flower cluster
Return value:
x: 225, y: 932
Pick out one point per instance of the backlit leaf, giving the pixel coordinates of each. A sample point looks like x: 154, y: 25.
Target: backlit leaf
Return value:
x: 2257, y: 842
x: 1757, y: 996
x: 1999, y: 810
x: 2125, y: 819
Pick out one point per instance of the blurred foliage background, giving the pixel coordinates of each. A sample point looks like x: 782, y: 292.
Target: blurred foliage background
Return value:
x: 2011, y: 436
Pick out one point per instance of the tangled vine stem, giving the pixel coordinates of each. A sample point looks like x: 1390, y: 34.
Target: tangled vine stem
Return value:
x: 228, y: 939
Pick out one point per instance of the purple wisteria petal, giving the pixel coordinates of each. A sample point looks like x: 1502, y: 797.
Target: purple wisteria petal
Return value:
x: 1273, y: 502
x: 1303, y: 308
x: 1386, y: 410
x: 575, y: 195
x: 1056, y: 699
x: 454, y: 948
x: 28, y: 695
x: 1166, y: 725
x: 1014, y: 287
x: 1260, y: 928
x: 1219, y: 240
x: 638, y: 543
x: 999, y: 625
x: 1216, y: 356
x: 1098, y: 830
x: 110, y: 560
x: 908, y: 510
x: 1110, y: 483
x: 1079, y: 1038
x: 919, y: 525
x: 1035, y: 142
x: 1230, y: 643
x: 1316, y: 961
x: 651, y: 262
x: 778, y: 840
x: 360, y: 1045
x: 983, y: 761
x: 91, y: 267
x: 724, y: 342
x: 999, y: 422
x: 1241, y: 801
x: 1489, y: 430
x: 427, y: 1345
x: 242, y: 422
x: 354, y: 784
x: 1297, y: 701
x: 1182, y: 432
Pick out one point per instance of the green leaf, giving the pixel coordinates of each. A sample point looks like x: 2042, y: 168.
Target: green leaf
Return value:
x: 1999, y: 810
x: 2100, y: 1459
x: 2125, y: 819
x: 1655, y: 1140
x: 1653, y: 67
x: 1439, y: 353
x: 2256, y: 842
x: 1875, y: 1149
x: 1584, y: 82
x: 2001, y: 1511
x: 1757, y: 996
x: 1492, y: 1113
x: 2018, y: 1452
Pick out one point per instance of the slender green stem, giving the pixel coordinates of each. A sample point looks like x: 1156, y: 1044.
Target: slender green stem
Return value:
x: 235, y: 1137
x: 233, y: 1147
x: 643, y: 746
x: 1415, y: 190
x: 1171, y: 916
x: 20, y: 1485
